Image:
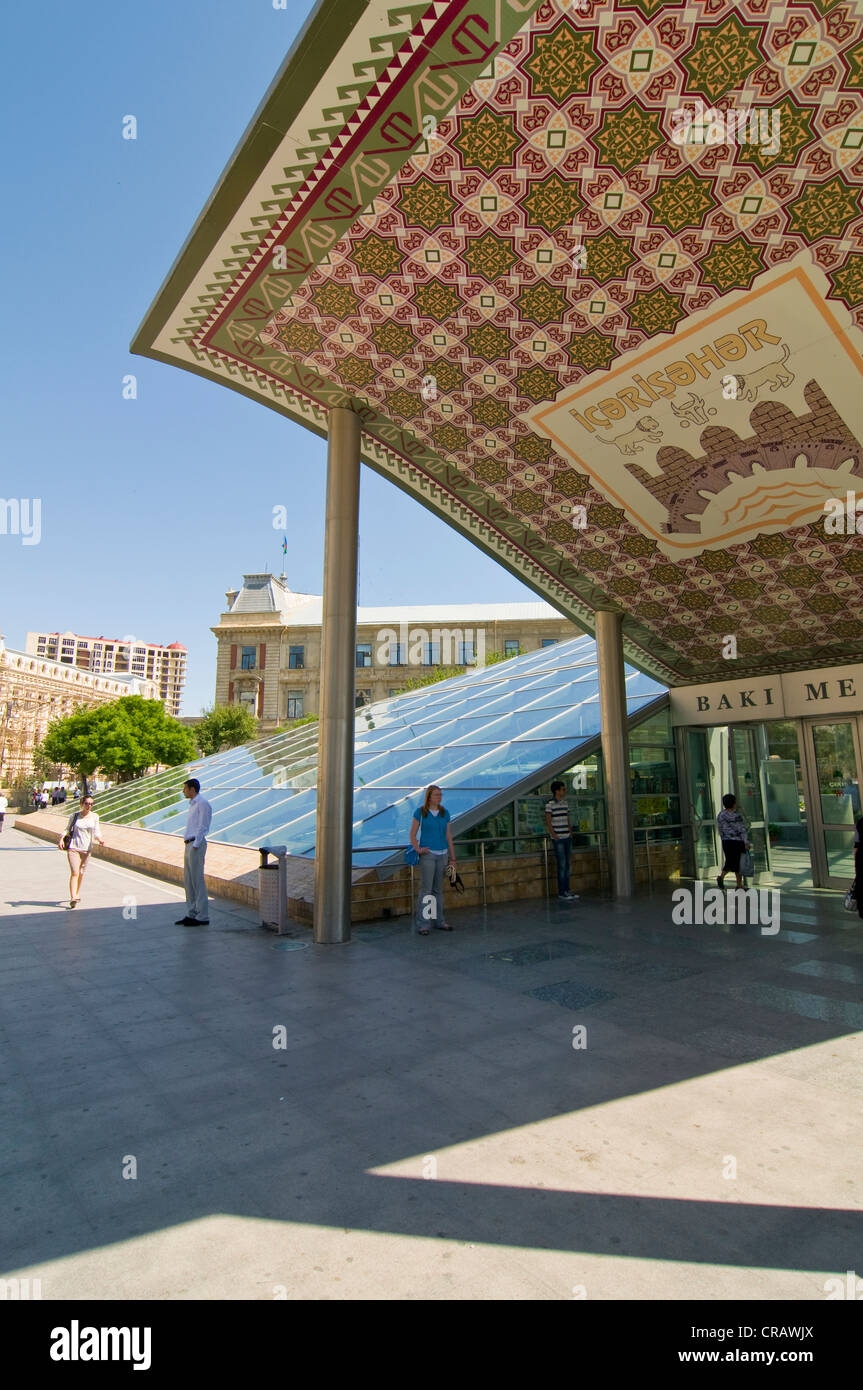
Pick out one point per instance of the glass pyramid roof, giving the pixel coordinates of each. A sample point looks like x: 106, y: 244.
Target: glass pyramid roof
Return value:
x: 475, y: 735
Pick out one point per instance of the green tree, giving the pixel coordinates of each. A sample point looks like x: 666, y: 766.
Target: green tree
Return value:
x: 224, y: 726
x: 121, y: 739
x: 445, y: 673
x: 437, y: 673
x: 45, y: 769
x: 492, y: 658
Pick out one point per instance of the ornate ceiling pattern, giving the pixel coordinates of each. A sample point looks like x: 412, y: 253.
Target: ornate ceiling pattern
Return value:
x: 626, y: 364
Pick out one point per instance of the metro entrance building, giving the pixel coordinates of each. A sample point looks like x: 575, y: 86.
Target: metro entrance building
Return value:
x: 537, y: 264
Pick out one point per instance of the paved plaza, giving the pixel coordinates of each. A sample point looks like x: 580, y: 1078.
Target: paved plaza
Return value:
x: 428, y: 1130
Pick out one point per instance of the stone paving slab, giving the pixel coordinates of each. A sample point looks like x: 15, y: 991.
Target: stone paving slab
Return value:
x: 429, y: 1130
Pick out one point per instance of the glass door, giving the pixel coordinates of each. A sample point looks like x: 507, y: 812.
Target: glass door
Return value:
x: 836, y: 770
x: 748, y: 750
x: 701, y: 808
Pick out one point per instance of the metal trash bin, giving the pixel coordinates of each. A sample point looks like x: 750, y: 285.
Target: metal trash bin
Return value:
x: 273, y: 888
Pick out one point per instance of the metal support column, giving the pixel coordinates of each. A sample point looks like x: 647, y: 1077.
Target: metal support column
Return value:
x: 615, y: 749
x: 338, y: 658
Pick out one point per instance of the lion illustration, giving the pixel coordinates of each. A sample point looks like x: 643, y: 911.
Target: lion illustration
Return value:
x: 636, y: 439
x: 776, y: 374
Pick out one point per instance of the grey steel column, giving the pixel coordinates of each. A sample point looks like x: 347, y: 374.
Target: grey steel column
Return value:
x: 338, y: 658
x: 615, y: 749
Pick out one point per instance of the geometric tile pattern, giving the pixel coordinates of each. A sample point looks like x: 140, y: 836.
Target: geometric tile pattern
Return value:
x: 545, y: 224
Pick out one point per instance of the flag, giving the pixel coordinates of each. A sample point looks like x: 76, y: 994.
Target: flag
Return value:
x: 285, y: 546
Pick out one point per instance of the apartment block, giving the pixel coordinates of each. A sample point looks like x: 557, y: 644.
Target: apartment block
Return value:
x: 34, y: 691
x: 124, y: 656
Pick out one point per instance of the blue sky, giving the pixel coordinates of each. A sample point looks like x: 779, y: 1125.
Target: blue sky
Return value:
x: 152, y: 508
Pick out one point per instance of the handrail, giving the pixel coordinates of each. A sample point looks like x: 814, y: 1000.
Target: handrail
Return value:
x: 645, y: 830
x: 479, y: 860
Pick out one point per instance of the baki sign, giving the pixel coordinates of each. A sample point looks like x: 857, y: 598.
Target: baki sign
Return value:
x: 829, y: 690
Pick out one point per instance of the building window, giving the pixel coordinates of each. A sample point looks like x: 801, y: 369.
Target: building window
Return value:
x: 364, y: 654
x: 295, y: 705
x: 247, y: 659
x: 431, y: 654
x: 510, y: 646
x: 466, y: 654
x: 549, y: 642
x: 249, y: 698
x: 397, y: 654
x: 296, y: 658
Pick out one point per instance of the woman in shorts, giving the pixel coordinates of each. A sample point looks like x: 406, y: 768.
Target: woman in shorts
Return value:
x: 83, y: 829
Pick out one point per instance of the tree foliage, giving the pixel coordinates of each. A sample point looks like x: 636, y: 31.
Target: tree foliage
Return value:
x: 445, y: 673
x: 44, y: 768
x: 435, y: 674
x: 224, y: 726
x: 121, y: 739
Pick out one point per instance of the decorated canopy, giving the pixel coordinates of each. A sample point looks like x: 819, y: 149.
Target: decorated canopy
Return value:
x: 591, y: 271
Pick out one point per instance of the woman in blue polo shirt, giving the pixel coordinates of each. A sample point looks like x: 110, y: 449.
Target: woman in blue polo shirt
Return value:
x: 431, y: 837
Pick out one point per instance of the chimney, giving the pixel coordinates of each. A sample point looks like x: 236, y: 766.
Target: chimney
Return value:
x: 231, y: 596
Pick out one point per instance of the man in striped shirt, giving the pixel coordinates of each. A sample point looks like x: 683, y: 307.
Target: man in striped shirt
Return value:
x: 558, y: 826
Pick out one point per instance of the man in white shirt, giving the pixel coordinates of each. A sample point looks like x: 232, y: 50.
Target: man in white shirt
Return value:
x: 195, y: 837
x: 3, y: 804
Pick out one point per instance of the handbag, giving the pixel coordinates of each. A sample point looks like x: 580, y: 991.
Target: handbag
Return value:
x: 455, y: 878
x: 67, y: 838
x: 747, y: 866
x: 851, y: 898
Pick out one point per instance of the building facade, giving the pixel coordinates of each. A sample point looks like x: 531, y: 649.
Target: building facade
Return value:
x: 790, y: 748
x: 126, y: 656
x: 34, y: 691
x: 269, y: 645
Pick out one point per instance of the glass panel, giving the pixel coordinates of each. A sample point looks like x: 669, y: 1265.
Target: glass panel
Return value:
x: 839, y: 845
x: 785, y: 806
x: 701, y: 804
x: 496, y: 833
x: 475, y: 734
x: 585, y: 798
x: 838, y: 778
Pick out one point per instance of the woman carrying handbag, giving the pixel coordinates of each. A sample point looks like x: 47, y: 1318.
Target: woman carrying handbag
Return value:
x: 735, y: 839
x: 431, y: 839
x: 77, y: 841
